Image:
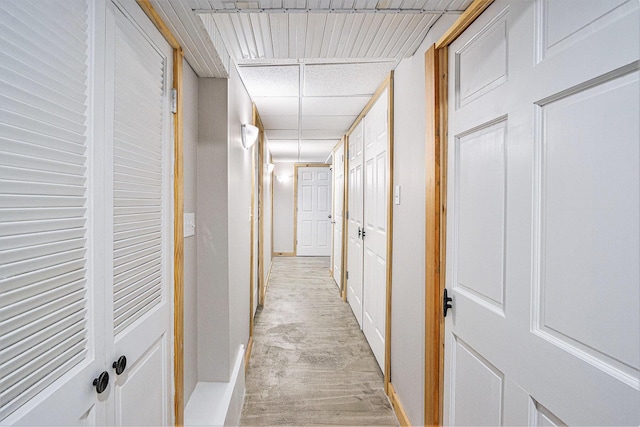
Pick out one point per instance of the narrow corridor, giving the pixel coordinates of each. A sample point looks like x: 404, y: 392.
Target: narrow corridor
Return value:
x: 310, y: 362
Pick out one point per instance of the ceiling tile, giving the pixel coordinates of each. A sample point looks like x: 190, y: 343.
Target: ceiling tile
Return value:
x: 271, y: 80
x: 334, y: 105
x: 345, y: 79
x: 282, y: 133
x: 322, y: 133
x: 328, y: 122
x: 280, y: 122
x: 283, y: 151
x: 277, y: 106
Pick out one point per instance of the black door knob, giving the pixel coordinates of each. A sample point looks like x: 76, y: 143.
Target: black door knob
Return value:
x: 120, y: 365
x: 101, y: 382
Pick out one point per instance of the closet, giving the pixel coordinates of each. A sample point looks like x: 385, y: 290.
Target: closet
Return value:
x: 86, y: 241
x: 369, y: 219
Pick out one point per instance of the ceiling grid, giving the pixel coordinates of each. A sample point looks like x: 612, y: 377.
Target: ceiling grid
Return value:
x: 309, y: 65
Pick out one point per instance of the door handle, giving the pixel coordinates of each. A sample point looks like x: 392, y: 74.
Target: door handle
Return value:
x: 359, y: 232
x: 446, y: 299
x: 329, y: 216
x: 363, y: 233
x: 120, y: 365
x: 101, y: 382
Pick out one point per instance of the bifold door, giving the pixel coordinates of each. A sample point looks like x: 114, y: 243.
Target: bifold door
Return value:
x: 543, y: 236
x: 86, y: 223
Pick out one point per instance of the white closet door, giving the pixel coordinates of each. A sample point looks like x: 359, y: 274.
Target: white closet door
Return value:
x: 314, y: 211
x: 355, y: 223
x: 338, y: 205
x: 142, y: 220
x: 49, y: 353
x: 374, y: 235
x: 543, y: 237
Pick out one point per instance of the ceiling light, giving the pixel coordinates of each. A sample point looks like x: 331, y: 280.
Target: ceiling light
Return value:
x: 249, y: 135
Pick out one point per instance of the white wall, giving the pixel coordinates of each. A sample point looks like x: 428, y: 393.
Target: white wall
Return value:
x: 268, y: 191
x: 190, y: 146
x: 407, y: 318
x: 239, y: 209
x: 283, y: 209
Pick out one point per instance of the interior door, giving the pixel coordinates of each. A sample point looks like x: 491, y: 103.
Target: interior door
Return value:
x: 142, y: 223
x: 355, y: 222
x: 314, y: 211
x: 543, y: 237
x: 374, y: 234
x: 51, y: 328
x: 338, y: 206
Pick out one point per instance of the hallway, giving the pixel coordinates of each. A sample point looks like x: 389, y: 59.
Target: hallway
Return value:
x: 310, y: 363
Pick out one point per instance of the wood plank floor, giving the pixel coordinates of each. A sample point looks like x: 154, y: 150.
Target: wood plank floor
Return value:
x: 310, y: 363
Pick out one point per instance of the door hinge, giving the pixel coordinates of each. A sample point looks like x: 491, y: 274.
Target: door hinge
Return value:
x: 347, y: 214
x: 347, y: 275
x: 174, y: 101
x: 445, y: 302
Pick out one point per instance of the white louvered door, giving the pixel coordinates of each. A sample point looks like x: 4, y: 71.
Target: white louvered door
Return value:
x: 49, y: 346
x: 86, y: 220
x: 142, y: 219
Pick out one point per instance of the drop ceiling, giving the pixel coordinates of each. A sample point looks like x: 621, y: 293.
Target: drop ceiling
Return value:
x: 309, y: 65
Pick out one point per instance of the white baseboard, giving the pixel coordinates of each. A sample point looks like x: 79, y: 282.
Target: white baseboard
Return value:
x: 218, y: 403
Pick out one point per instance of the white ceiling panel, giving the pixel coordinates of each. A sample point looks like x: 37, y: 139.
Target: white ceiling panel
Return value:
x: 322, y: 133
x: 277, y: 106
x: 345, y: 79
x: 279, y: 122
x: 327, y: 122
x: 333, y: 105
x: 316, y: 151
x: 272, y: 80
x: 283, y: 151
x: 282, y: 133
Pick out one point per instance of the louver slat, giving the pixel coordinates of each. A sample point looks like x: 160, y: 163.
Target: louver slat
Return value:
x: 137, y: 186
x: 43, y: 195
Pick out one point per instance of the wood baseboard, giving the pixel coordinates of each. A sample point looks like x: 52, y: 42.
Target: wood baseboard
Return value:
x: 397, y: 407
x: 279, y: 254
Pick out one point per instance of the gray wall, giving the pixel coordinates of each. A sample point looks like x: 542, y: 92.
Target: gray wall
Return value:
x: 212, y: 232
x: 190, y: 141
x: 239, y: 208
x: 283, y: 209
x: 407, y: 318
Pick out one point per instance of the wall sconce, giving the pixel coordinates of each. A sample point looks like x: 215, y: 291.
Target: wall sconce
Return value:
x: 249, y: 135
x: 270, y: 167
x: 283, y: 178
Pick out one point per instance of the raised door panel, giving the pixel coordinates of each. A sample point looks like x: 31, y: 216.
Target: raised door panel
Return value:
x: 355, y: 223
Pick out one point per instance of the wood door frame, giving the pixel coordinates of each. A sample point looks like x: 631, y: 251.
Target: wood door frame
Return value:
x: 387, y: 84
x: 178, y: 213
x: 436, y: 97
x: 295, y: 199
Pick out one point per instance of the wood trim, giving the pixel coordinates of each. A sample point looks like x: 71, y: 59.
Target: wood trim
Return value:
x: 159, y: 23
x: 345, y: 221
x: 470, y: 14
x: 295, y: 198
x: 178, y: 213
x: 260, y: 181
x: 178, y: 242
x: 397, y: 407
x: 247, y: 355
x: 436, y: 81
x: 283, y: 254
x: 372, y: 101
x: 251, y: 245
x: 390, y: 175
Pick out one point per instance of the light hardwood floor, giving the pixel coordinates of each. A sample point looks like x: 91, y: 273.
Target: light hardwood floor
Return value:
x: 310, y: 363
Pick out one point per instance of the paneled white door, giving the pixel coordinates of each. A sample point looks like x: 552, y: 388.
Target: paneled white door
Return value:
x: 355, y: 222
x: 314, y: 211
x: 374, y: 234
x: 338, y: 205
x: 142, y: 224
x: 543, y: 236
